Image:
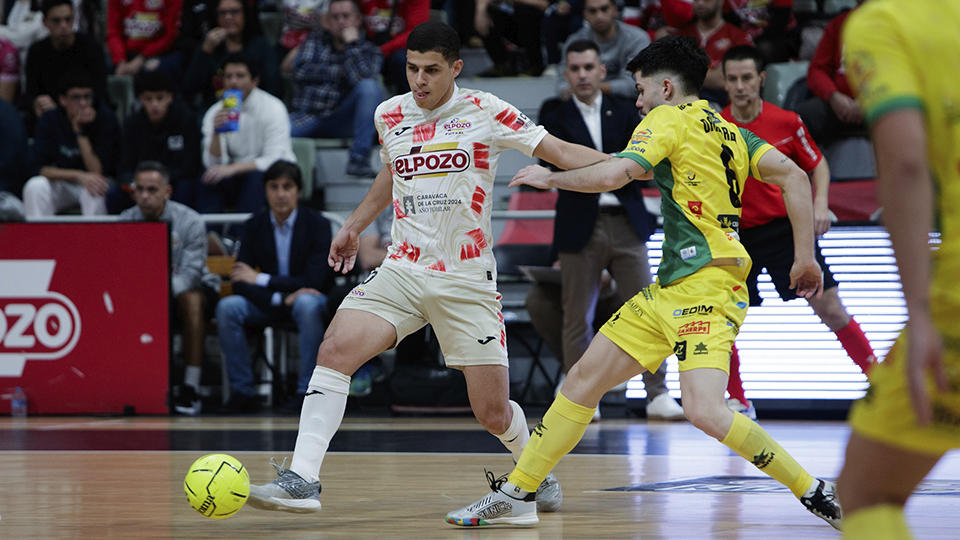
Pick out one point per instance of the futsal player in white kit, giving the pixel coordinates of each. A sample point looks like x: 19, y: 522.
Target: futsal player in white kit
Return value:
x: 441, y: 145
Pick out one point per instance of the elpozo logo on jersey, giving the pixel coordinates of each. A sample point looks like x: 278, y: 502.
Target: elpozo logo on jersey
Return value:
x: 35, y: 322
x: 435, y: 162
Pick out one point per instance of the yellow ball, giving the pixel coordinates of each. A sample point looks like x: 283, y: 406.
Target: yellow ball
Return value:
x: 217, y: 485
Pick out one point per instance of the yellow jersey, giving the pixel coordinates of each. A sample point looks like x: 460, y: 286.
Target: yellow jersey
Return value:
x: 700, y: 163
x: 907, y: 55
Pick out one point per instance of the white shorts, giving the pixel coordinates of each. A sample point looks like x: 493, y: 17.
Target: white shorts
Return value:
x: 465, y: 315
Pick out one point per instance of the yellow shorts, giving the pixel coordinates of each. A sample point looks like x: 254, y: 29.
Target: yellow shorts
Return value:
x: 886, y: 414
x: 465, y: 314
x: 696, y: 317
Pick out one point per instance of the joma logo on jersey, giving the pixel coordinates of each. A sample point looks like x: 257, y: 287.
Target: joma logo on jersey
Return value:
x: 692, y: 311
x: 436, y: 162
x: 695, y: 327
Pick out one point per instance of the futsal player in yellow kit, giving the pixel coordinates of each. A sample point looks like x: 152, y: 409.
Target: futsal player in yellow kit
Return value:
x: 696, y: 307
x: 903, y: 61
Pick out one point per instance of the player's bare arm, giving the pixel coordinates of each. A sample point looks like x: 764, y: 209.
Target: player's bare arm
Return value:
x: 567, y: 155
x: 344, y: 247
x: 608, y: 175
x: 779, y: 170
x: 906, y: 194
x: 820, y: 178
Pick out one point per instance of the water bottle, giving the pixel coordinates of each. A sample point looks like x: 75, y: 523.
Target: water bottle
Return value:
x: 18, y: 405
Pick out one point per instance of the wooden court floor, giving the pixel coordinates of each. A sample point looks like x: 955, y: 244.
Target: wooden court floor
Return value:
x: 90, y: 478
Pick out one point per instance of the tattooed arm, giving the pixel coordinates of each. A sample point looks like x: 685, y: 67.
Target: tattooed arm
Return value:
x: 608, y: 175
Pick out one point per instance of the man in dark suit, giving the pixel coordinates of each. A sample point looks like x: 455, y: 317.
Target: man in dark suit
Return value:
x: 596, y: 232
x: 281, y: 275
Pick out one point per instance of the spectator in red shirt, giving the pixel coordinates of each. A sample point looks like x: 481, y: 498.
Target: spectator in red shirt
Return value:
x: 388, y: 23
x: 764, y: 228
x: 9, y: 70
x: 142, y: 35
x: 716, y: 36
x: 831, y: 112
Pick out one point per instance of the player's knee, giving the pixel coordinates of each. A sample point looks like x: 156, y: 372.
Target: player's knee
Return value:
x: 495, y: 417
x: 38, y: 186
x: 704, y: 417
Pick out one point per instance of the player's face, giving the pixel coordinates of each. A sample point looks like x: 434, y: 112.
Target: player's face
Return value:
x: 584, y: 73
x: 151, y: 193
x: 600, y: 14
x: 742, y: 82
x: 282, y: 196
x: 431, y: 78
x: 651, y: 92
x: 705, y: 9
x: 156, y: 105
x: 237, y: 77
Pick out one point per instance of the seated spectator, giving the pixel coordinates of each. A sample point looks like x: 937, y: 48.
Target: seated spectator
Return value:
x: 23, y: 25
x: 236, y: 29
x: 770, y: 24
x: 511, y: 35
x: 832, y: 112
x: 716, y: 36
x: 388, y: 24
x: 13, y: 162
x: 193, y: 289
x: 618, y: 42
x: 50, y: 58
x: 9, y: 70
x: 235, y: 160
x: 559, y: 21
x: 300, y: 17
x: 289, y: 247
x: 142, y: 35
x: 163, y: 130
x: 74, y: 151
x: 337, y: 92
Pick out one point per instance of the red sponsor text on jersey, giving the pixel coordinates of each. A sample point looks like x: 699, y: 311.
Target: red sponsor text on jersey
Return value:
x: 433, y: 162
x: 695, y: 327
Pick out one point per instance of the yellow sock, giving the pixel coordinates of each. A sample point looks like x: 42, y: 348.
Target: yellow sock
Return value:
x: 560, y: 430
x: 755, y: 445
x: 882, y: 522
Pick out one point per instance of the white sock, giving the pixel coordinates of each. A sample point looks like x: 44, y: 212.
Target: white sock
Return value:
x: 517, y: 434
x: 191, y: 377
x: 320, y: 419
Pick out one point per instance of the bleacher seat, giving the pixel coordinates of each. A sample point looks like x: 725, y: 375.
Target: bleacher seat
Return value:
x: 780, y: 78
x: 120, y: 90
x: 272, y: 24
x: 851, y: 159
x: 305, y: 150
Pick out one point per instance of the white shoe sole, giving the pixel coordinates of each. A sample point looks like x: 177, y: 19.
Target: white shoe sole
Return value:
x: 294, y: 506
x: 521, y: 521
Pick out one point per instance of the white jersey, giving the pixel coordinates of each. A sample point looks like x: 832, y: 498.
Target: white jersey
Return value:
x: 443, y: 164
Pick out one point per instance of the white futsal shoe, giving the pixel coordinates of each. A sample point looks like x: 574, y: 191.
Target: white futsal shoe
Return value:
x: 549, y: 494
x: 289, y: 493
x: 498, y: 507
x: 735, y: 405
x: 664, y: 407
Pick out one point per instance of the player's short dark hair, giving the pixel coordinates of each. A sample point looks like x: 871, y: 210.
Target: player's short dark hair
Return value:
x: 150, y: 165
x: 282, y: 168
x: 583, y: 45
x: 435, y: 36
x: 153, y: 81
x: 47, y: 5
x: 75, y: 77
x: 253, y: 65
x: 743, y: 52
x: 681, y: 56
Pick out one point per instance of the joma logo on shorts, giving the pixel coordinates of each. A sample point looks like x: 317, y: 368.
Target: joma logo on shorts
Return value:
x: 695, y: 327
x: 436, y: 162
x: 692, y: 311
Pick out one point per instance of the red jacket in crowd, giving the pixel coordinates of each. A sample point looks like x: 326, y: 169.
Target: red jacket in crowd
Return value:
x: 147, y: 27
x: 825, y: 74
x: 409, y: 13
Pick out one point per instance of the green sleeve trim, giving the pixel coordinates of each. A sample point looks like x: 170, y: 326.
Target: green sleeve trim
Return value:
x: 754, y: 143
x: 638, y: 158
x: 891, y: 105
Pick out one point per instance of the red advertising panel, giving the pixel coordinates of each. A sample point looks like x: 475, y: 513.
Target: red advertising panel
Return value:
x: 84, y: 324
